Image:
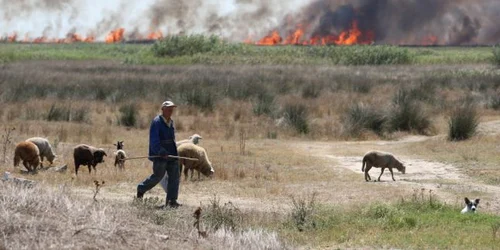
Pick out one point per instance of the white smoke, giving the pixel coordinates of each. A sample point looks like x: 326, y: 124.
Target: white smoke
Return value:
x: 234, y: 19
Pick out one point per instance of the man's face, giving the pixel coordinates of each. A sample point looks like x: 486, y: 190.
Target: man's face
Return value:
x: 167, y: 111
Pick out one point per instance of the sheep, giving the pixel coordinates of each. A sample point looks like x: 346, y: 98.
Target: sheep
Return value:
x: 87, y: 155
x: 381, y: 160
x: 203, y: 165
x: 44, y: 148
x: 194, y: 139
x: 30, y: 155
x: 120, y: 155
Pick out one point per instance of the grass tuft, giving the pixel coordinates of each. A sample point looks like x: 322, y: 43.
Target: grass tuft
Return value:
x: 463, y: 122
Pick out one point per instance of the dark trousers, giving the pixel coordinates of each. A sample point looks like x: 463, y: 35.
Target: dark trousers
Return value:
x: 161, y: 166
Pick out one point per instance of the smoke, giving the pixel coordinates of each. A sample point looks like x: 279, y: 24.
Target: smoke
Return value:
x: 232, y: 19
x: 452, y: 22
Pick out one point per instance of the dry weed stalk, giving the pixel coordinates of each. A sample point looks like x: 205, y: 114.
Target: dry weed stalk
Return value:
x: 197, y: 222
x: 97, y: 188
x: 6, y: 141
x: 243, y: 139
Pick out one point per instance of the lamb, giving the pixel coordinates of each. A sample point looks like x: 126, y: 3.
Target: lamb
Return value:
x: 203, y: 165
x: 120, y: 155
x: 87, y: 155
x: 194, y: 139
x: 44, y: 148
x: 381, y: 160
x: 30, y: 155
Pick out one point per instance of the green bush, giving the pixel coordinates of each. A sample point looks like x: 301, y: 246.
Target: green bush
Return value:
x: 296, y: 116
x: 199, y: 97
x: 360, y: 117
x: 302, y: 213
x: 58, y: 113
x: 311, y: 90
x: 128, y: 115
x: 264, y: 104
x: 182, y: 45
x: 496, y: 54
x: 369, y: 55
x: 463, y: 122
x: 219, y: 215
x: 408, y: 114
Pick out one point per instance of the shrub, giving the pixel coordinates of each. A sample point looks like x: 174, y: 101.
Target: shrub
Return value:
x: 360, y: 117
x: 296, y: 116
x: 408, y: 114
x: 182, y: 45
x: 128, y: 115
x: 225, y: 216
x: 463, y: 122
x: 369, y: 55
x: 199, y: 97
x: 264, y: 104
x: 58, y: 113
x: 496, y: 54
x: 311, y: 90
x: 494, y: 102
x: 302, y: 212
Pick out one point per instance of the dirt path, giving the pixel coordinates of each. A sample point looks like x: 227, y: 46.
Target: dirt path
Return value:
x: 446, y: 180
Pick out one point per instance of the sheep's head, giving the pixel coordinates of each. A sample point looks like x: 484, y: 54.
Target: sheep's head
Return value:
x: 401, y: 168
x: 51, y: 158
x: 119, y: 145
x: 208, y: 171
x: 195, y: 138
x: 99, y: 155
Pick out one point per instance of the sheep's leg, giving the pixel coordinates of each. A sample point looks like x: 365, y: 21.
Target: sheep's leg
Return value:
x: 76, y: 168
x: 381, y: 173
x: 185, y: 173
x: 27, y: 166
x: 367, y: 176
x: 95, y: 170
x: 90, y: 168
x: 392, y: 174
x: 199, y: 177
x: 192, y: 173
x: 41, y: 161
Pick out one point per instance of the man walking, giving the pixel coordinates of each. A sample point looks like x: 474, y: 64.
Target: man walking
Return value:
x: 162, y: 143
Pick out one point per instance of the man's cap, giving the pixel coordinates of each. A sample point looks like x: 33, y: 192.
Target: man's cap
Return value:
x: 168, y: 104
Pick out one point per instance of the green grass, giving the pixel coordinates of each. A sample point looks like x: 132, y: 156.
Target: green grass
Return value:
x: 246, y: 54
x: 419, y: 222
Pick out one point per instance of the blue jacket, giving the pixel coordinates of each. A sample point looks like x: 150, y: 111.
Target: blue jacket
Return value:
x: 161, y: 139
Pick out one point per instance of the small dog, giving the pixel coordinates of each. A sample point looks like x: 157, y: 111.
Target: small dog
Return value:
x: 470, y: 206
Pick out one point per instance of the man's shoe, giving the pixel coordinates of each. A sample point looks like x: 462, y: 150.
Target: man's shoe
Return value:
x: 174, y: 204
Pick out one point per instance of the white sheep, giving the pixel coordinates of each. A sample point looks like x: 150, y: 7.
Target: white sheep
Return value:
x: 194, y: 139
x: 120, y: 155
x: 44, y: 148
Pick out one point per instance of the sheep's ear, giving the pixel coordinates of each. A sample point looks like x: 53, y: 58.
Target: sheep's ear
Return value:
x: 114, y: 144
x: 467, y: 201
x: 477, y: 201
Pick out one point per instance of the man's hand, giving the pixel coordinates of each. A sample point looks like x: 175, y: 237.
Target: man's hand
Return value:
x: 165, y: 157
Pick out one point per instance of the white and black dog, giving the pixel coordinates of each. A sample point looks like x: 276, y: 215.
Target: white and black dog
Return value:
x: 470, y: 206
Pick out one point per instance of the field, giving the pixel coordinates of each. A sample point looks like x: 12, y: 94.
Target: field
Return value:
x: 286, y: 128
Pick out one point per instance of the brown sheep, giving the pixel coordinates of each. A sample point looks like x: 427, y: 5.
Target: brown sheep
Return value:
x: 30, y: 155
x: 87, y: 155
x: 203, y: 165
x: 381, y: 160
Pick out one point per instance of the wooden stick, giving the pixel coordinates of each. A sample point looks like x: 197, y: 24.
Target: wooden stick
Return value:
x: 158, y: 156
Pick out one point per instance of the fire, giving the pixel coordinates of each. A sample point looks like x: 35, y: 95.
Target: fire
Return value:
x: 155, y: 35
x: 430, y: 40
x: 351, y: 36
x: 12, y: 38
x: 271, y: 39
x: 115, y: 36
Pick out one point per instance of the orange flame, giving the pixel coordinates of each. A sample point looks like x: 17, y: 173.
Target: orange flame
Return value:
x: 115, y: 36
x: 430, y: 40
x: 271, y: 39
x: 155, y: 35
x: 348, y: 37
x: 12, y: 38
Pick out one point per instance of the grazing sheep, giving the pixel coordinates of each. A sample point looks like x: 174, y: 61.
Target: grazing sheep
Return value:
x: 30, y: 155
x: 381, y: 160
x: 87, y: 155
x: 203, y: 165
x: 194, y: 139
x: 44, y: 148
x: 120, y: 155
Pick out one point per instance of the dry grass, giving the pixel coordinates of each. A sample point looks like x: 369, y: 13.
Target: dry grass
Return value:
x: 260, y: 161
